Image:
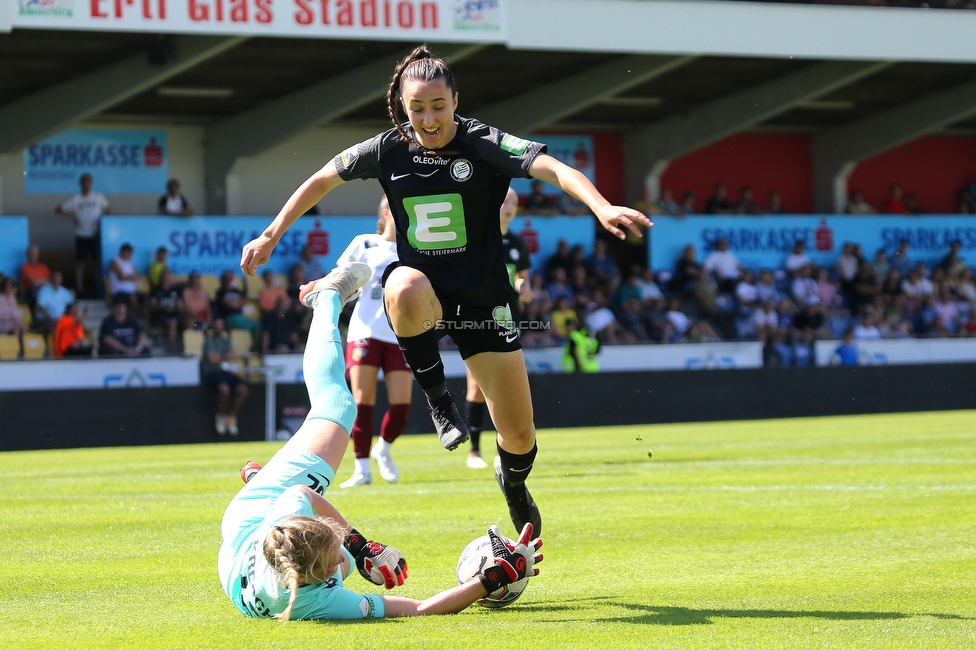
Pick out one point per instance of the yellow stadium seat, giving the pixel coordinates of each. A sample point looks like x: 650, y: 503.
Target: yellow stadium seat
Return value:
x: 33, y: 346
x: 142, y: 286
x: 254, y: 286
x: 210, y: 284
x: 241, y: 341
x: 193, y: 343
x: 9, y: 347
x: 25, y: 313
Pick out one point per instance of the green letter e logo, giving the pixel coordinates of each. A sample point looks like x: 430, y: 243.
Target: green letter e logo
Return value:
x: 436, y: 222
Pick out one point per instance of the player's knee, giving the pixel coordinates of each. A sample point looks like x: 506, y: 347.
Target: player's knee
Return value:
x: 408, y: 291
x: 518, y: 436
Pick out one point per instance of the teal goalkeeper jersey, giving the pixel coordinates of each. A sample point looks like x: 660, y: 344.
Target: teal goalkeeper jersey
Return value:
x: 252, y: 586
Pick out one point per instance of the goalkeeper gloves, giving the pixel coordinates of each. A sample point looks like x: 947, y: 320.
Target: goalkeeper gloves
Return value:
x: 512, y: 562
x: 378, y: 563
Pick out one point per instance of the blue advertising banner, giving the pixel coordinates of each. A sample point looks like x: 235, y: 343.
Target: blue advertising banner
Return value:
x: 574, y: 150
x: 212, y: 244
x: 765, y: 241
x: 120, y: 162
x: 13, y: 244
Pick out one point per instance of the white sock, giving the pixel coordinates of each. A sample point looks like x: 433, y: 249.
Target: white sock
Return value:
x: 382, y: 447
x: 362, y: 466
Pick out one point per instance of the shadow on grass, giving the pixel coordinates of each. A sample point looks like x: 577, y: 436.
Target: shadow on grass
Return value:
x: 653, y: 615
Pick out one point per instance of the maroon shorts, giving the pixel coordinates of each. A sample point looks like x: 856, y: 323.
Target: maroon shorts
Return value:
x: 379, y: 354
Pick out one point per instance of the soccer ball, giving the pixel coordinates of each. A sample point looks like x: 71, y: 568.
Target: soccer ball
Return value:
x: 474, y: 558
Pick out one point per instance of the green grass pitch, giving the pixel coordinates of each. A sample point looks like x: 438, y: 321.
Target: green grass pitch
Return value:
x: 845, y: 532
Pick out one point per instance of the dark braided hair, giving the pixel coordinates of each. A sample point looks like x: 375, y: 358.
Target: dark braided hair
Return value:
x: 419, y: 65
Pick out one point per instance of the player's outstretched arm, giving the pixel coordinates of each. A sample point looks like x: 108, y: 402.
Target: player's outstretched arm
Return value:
x: 612, y: 217
x: 512, y: 563
x: 257, y: 251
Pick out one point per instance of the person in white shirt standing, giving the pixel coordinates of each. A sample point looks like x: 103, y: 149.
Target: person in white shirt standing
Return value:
x: 373, y: 345
x: 723, y: 263
x: 85, y: 210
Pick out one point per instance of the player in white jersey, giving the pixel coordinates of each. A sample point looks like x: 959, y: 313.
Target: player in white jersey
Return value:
x: 373, y: 345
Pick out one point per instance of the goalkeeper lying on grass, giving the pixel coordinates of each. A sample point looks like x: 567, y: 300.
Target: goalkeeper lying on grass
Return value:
x: 286, y: 550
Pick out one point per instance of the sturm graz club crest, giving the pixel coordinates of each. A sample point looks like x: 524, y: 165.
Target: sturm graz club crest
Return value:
x: 461, y: 170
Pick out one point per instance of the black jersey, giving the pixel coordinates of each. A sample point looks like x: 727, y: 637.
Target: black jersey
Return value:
x: 446, y: 206
x: 516, y: 254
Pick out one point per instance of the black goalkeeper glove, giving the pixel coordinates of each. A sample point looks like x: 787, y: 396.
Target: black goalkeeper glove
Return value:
x: 512, y: 562
x: 378, y: 563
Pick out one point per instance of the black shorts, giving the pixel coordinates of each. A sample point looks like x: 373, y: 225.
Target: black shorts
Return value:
x: 86, y: 247
x: 475, y: 328
x: 219, y: 377
x: 480, y: 328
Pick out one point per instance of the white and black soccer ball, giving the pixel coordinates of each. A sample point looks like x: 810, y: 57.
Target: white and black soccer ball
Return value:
x: 475, y: 557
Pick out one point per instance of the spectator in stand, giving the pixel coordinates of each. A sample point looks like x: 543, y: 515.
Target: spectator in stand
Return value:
x: 896, y: 324
x: 965, y: 203
x: 310, y: 266
x: 764, y: 321
x: 912, y: 208
x: 174, y: 203
x: 827, y: 289
x: 197, y: 311
x: 650, y: 292
x: 939, y: 280
x: 157, y: 267
x: 688, y: 203
x: 804, y: 288
x: 558, y: 287
x: 927, y: 318
x: 867, y: 286
x: 601, y: 322
x: 121, y: 333
x: 687, y: 272
x: 296, y: 278
x: 952, y: 264
x: 847, y: 265
x: 667, y: 205
x: 723, y: 264
x: 539, y: 329
x: 602, y: 266
x: 797, y: 259
x: 85, y: 210
x: 678, y: 319
x: 270, y: 293
x: 894, y: 203
x: 718, y: 203
x: 216, y: 365
x: 629, y: 288
x: 69, y: 333
x: 279, y: 329
x: 230, y: 305
x: 10, y: 322
x: 631, y: 321
x: 866, y: 329
x: 537, y: 285
x: 811, y: 324
x: 720, y: 312
x: 747, y: 294
x: 900, y: 259
x: 891, y: 288
x: 916, y: 286
x: 881, y: 264
x: 581, y: 287
x: 847, y: 353
x: 966, y: 289
x: 775, y: 203
x: 52, y: 300
x: 123, y: 278
x: 745, y: 204
x: 562, y: 316
x: 34, y: 274
x: 560, y: 259
x: 947, y: 313
x: 537, y: 202
x: 856, y: 204
x: 166, y: 310
x: 767, y: 287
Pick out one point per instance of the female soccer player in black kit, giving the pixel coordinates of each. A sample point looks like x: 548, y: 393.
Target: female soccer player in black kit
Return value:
x: 445, y: 177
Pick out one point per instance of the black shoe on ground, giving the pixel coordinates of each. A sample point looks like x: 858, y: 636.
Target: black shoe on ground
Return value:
x: 448, y: 423
x: 521, y: 506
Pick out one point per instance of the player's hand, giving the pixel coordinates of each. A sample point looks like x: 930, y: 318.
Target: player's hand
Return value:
x: 378, y: 563
x: 612, y: 216
x: 512, y: 562
x: 256, y: 252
